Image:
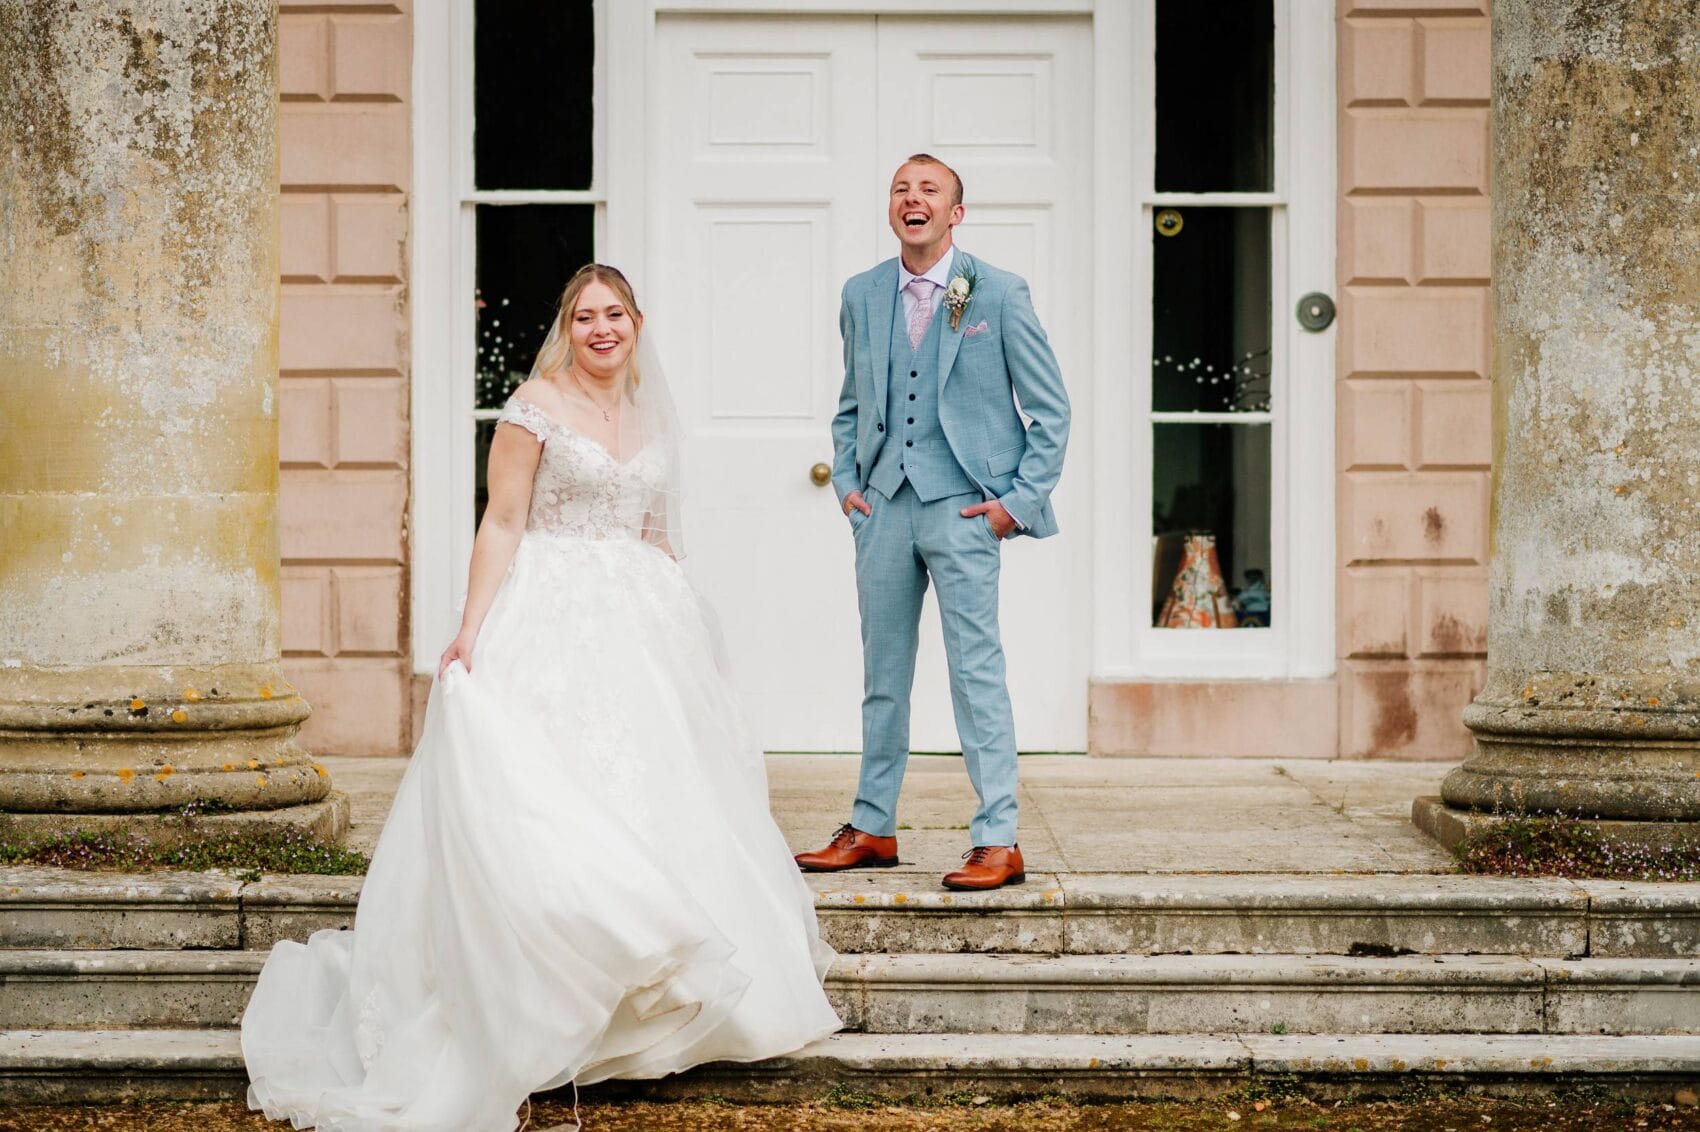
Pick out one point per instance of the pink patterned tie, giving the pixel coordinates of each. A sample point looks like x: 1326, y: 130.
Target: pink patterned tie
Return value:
x: 922, y: 315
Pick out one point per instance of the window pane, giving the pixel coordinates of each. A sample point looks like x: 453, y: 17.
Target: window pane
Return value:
x: 483, y: 433
x: 1210, y: 304
x: 526, y: 254
x: 533, y: 66
x: 1211, y: 492
x: 1215, y: 96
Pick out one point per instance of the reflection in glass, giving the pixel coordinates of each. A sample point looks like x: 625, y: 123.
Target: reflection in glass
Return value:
x: 1214, y: 479
x: 1215, y: 96
x: 526, y: 254
x: 1210, y: 305
x: 533, y: 65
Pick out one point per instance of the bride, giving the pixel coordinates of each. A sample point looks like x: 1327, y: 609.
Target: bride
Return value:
x: 579, y: 878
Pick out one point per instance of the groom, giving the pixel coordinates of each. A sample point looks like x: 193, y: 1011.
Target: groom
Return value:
x: 934, y: 468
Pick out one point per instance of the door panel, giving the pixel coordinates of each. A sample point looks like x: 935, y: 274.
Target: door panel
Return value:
x: 769, y: 195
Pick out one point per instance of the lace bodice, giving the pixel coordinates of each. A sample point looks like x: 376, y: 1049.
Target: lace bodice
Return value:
x: 580, y: 489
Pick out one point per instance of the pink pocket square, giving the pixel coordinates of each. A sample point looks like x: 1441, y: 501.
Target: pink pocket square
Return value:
x: 980, y: 328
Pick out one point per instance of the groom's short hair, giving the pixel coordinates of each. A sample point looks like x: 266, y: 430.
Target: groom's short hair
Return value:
x: 929, y: 159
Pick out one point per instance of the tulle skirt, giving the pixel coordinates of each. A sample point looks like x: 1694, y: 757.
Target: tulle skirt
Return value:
x: 579, y: 879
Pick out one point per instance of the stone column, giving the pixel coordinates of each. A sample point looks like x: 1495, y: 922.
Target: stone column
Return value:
x: 1592, y: 701
x: 139, y: 594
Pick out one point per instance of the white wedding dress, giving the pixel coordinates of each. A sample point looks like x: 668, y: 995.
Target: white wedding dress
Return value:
x: 580, y: 878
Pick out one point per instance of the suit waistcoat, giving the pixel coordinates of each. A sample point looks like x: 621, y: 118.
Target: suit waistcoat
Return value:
x: 915, y: 446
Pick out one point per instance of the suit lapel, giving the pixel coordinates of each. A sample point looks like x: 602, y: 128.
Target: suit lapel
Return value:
x: 950, y: 340
x: 880, y: 298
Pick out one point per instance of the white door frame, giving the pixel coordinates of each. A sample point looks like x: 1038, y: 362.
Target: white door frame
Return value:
x: 1123, y: 49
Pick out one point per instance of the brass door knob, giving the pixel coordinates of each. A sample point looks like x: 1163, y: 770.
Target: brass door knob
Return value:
x: 821, y: 474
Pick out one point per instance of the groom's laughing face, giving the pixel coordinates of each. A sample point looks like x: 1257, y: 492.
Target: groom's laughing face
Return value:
x: 923, y: 206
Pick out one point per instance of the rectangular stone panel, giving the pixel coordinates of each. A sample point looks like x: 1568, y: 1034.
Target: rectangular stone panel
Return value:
x: 304, y: 419
x: 1413, y: 151
x: 1390, y: 516
x: 1378, y: 62
x: 344, y: 146
x: 1457, y: 61
x: 332, y: 329
x: 1377, y: 239
x: 369, y: 57
x: 1452, y: 611
x: 1375, y: 424
x: 368, y: 609
x: 304, y: 238
x: 1456, y: 240
x: 371, y: 420
x: 1455, y: 424
x: 1292, y: 718
x: 302, y: 58
x: 1407, y: 7
x: 343, y: 516
x: 369, y: 237
x: 306, y: 610
x: 1414, y: 332
x: 359, y: 704
x: 1375, y: 607
x: 1407, y: 709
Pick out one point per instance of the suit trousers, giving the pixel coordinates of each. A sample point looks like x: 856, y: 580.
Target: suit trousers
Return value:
x: 903, y: 544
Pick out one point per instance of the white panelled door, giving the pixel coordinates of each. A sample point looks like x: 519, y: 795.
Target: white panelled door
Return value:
x: 778, y: 138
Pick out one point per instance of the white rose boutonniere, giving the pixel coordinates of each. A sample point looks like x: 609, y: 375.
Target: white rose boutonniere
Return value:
x: 959, y: 294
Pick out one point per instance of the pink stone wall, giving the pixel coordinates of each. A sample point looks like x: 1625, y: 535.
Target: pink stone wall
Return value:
x: 1414, y: 426
x: 344, y: 408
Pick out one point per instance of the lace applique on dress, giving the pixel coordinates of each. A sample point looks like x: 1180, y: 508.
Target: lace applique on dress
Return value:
x: 369, y: 1029
x: 519, y: 411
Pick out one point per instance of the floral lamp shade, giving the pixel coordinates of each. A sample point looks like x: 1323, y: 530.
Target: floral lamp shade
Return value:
x: 1199, y: 598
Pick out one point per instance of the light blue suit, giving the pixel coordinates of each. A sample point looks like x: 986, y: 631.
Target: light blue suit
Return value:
x: 924, y: 433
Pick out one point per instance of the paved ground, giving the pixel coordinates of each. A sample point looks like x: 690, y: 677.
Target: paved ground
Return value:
x: 1081, y: 814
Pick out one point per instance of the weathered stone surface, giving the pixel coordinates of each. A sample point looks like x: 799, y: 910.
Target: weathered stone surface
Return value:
x: 65, y: 908
x: 860, y: 912
x: 139, y: 596
x: 1592, y: 702
x: 294, y: 907
x: 1451, y: 826
x: 1323, y: 915
x: 324, y: 820
x: 1622, y: 996
x: 125, y: 989
x: 1187, y: 994
x: 1647, y: 919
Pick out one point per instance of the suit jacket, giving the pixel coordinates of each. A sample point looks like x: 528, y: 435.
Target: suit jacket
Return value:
x: 997, y: 353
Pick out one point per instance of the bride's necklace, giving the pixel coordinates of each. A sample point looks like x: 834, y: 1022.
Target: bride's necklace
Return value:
x: 603, y: 409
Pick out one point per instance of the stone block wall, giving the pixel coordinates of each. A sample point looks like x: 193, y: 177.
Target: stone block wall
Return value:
x: 1414, y: 441
x: 343, y: 496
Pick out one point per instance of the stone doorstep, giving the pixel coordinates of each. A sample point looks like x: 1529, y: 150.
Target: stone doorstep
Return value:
x: 861, y: 912
x: 1004, y: 994
x: 104, y: 1066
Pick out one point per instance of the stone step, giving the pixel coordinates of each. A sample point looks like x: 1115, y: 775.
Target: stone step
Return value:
x: 1006, y: 993
x: 1077, y: 913
x: 106, y: 1066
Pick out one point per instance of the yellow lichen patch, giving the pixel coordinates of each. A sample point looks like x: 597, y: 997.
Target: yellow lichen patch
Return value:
x: 265, y: 691
x: 319, y: 770
x: 229, y: 766
x: 165, y: 772
x: 1360, y: 1063
x: 1529, y: 691
x: 861, y: 899
x: 179, y: 716
x: 1653, y: 701
x: 253, y: 764
x: 191, y: 695
x: 126, y: 776
x: 78, y: 773
x: 1619, y: 489
x: 900, y: 898
x: 1091, y: 1063
x: 260, y: 780
x: 137, y: 704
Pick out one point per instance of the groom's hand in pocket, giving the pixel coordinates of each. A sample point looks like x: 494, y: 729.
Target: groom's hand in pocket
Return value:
x: 855, y: 500
x: 1001, y: 521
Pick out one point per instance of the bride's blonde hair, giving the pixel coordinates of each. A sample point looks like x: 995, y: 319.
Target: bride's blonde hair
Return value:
x: 557, y: 351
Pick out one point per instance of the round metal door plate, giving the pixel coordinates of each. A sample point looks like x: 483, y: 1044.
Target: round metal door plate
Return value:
x: 1169, y: 222
x: 1316, y: 311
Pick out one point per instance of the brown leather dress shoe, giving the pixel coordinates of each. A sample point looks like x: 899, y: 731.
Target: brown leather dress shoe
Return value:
x: 989, y: 866
x: 850, y: 848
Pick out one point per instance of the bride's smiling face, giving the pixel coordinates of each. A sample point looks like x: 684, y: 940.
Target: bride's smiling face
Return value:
x: 603, y: 331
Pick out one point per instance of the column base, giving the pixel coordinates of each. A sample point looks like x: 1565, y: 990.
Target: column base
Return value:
x: 1452, y: 826
x: 134, y: 741
x: 326, y: 820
